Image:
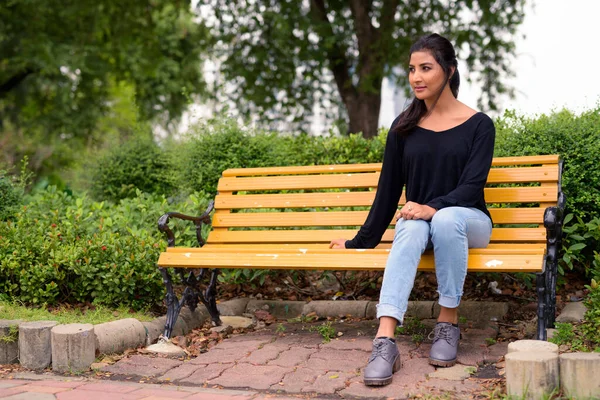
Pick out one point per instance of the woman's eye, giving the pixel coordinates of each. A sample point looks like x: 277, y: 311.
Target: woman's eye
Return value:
x: 426, y: 68
x: 411, y: 69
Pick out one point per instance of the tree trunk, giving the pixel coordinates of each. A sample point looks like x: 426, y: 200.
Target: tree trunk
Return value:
x: 363, y: 112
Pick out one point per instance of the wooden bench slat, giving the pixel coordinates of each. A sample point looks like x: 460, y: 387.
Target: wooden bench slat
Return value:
x: 373, y: 167
x: 532, y: 194
x: 323, y: 249
x: 342, y: 260
x: 352, y: 218
x: 325, y: 236
x: 370, y: 179
x: 503, y: 247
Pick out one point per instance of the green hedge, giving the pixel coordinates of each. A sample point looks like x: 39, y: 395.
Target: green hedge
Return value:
x: 62, y: 248
x: 575, y: 137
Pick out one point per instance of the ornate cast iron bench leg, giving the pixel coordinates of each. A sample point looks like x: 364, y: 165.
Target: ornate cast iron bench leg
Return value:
x: 192, y: 293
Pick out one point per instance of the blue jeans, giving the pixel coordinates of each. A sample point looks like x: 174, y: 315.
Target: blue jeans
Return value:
x: 451, y: 232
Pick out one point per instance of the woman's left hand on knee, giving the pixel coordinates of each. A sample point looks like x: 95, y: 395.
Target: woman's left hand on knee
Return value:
x: 412, y: 210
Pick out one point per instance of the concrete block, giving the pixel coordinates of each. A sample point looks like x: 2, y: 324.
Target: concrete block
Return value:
x: 539, y: 346
x: 531, y: 375
x: 278, y: 309
x: 237, y: 322
x: 117, y: 336
x: 479, y: 313
x: 573, y: 312
x: 167, y: 349
x: 233, y: 306
x: 371, y: 312
x: 194, y: 319
x: 180, y: 328
x: 9, y: 341
x: 73, y: 347
x: 154, y: 329
x: 421, y: 309
x: 579, y: 375
x: 331, y: 308
x: 35, y: 344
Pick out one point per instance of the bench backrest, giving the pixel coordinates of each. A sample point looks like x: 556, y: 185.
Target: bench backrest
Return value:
x: 314, y: 204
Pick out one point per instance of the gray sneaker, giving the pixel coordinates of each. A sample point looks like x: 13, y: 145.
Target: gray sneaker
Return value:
x: 384, y: 361
x: 445, y: 344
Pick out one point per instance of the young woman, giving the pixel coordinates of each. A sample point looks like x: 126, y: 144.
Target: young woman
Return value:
x: 441, y: 150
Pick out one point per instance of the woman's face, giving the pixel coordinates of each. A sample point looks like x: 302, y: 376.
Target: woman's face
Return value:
x: 425, y: 76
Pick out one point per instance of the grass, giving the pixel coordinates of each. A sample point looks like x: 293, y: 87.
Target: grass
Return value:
x: 66, y: 315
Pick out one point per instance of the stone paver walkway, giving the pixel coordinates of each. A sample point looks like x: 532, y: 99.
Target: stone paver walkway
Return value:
x: 265, y: 364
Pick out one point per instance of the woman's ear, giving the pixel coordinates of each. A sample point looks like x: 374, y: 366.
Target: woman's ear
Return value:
x: 452, y: 71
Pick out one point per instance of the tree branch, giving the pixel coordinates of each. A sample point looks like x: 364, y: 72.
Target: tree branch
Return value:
x: 336, y: 55
x: 362, y: 22
x: 14, y: 81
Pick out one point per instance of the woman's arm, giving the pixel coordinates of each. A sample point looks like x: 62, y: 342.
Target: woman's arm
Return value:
x: 386, y: 200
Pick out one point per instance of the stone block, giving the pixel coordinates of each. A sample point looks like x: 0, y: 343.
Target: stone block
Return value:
x: 278, y: 309
x: 154, y: 329
x: 573, y: 312
x: 180, y: 328
x: 194, y: 319
x: 421, y: 309
x: 579, y: 375
x: 237, y: 322
x: 371, y: 312
x: 331, y: 308
x: 73, y: 347
x: 9, y: 341
x: 167, y: 349
x: 533, y: 346
x: 35, y: 344
x: 233, y: 306
x: 479, y: 313
x: 531, y: 375
x: 117, y: 336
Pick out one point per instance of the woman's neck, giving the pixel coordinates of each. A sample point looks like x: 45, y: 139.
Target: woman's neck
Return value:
x: 445, y: 104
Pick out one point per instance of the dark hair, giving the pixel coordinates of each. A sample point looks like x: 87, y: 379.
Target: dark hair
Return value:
x: 442, y: 50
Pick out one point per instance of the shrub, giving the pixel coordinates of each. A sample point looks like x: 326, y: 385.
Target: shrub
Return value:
x: 11, y: 196
x: 575, y: 138
x: 138, y: 164
x: 61, y: 248
x: 217, y: 145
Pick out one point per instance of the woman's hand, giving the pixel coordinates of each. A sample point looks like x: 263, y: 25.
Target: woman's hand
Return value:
x: 337, y: 244
x: 412, y: 210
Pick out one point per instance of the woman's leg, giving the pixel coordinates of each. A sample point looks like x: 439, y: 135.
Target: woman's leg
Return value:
x: 410, y: 240
x: 453, y: 231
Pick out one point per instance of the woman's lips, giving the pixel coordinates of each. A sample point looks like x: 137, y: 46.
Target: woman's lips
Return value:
x: 420, y: 88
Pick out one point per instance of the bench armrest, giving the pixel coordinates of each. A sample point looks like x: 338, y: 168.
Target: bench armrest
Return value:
x: 163, y: 224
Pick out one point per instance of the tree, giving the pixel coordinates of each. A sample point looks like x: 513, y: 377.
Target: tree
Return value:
x: 61, y: 61
x: 278, y: 58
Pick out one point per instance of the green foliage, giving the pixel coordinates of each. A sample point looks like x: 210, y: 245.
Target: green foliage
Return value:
x: 581, y: 244
x: 212, y: 147
x: 11, y: 196
x: 61, y: 60
x: 575, y: 137
x: 591, y: 323
x: 281, y: 59
x: 138, y: 164
x: 13, y: 334
x: 326, y: 331
x: 61, y: 248
x: 567, y: 334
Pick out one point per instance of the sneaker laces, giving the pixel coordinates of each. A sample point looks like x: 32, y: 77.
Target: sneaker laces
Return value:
x: 441, y: 332
x: 378, y: 350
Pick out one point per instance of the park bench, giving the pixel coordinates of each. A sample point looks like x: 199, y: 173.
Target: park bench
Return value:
x: 285, y: 217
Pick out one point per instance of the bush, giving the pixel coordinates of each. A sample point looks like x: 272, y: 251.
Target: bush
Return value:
x: 139, y: 164
x: 575, y: 138
x: 11, y: 196
x: 61, y: 248
x: 216, y: 146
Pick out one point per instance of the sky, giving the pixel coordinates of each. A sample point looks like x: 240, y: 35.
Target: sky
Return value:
x: 558, y: 62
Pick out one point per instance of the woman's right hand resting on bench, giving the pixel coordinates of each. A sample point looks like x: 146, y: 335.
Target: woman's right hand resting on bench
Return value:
x: 337, y: 244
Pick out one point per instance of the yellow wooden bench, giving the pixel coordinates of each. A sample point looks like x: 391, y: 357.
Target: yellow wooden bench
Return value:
x: 284, y: 218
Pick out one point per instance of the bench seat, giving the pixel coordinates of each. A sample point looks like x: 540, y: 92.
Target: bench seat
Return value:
x: 285, y: 217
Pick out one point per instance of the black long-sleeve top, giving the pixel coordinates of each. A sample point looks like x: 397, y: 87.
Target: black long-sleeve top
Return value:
x: 440, y: 169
